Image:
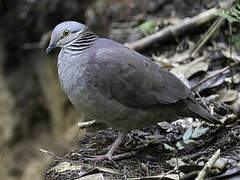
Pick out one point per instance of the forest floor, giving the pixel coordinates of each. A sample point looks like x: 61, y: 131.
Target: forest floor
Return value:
x: 177, y: 150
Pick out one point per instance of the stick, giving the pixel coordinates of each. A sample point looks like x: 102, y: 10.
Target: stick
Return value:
x: 124, y: 156
x: 203, y: 173
x: 173, y: 31
x: 207, y: 35
x: 176, y: 30
x: 54, y: 156
x: 214, y: 75
x: 82, y: 125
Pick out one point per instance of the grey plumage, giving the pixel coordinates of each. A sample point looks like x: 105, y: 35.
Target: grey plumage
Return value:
x: 118, y: 86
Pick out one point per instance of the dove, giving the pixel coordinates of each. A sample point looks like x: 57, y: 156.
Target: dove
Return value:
x: 113, y: 84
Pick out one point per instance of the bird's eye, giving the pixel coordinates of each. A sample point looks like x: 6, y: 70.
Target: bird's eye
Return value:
x: 66, y: 33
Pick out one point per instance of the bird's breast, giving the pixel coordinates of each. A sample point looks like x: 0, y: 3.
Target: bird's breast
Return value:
x: 70, y: 71
x: 78, y: 83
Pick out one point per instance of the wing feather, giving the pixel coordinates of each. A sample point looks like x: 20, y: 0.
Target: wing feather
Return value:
x: 134, y: 80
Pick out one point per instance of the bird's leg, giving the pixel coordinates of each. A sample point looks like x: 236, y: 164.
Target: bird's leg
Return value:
x: 109, y: 154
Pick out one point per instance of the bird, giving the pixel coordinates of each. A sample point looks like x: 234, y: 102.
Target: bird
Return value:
x: 118, y: 86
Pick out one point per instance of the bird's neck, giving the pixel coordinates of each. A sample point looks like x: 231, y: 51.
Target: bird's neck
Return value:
x: 83, y: 42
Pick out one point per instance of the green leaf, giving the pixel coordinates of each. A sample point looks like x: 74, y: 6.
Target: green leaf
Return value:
x: 228, y: 16
x: 189, y: 141
x: 179, y: 145
x: 199, y: 132
x: 235, y: 14
x: 236, y: 11
x: 170, y: 148
x: 148, y: 27
x: 187, y: 134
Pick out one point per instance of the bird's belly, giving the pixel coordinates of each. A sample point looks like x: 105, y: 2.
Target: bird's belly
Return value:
x: 86, y: 98
x: 92, y: 104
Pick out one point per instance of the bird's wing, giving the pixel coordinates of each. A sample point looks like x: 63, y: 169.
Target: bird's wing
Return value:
x: 134, y: 80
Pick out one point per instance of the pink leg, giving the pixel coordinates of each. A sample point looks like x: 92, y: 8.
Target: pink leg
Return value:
x: 109, y: 154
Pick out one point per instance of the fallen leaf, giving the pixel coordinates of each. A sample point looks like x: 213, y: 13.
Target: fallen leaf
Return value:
x: 147, y: 27
x: 83, y: 168
x: 210, y: 83
x: 228, y: 95
x: 230, y: 174
x: 97, y: 176
x: 179, y: 145
x: 187, y: 134
x: 221, y: 163
x: 180, y: 57
x: 199, y: 64
x: 162, y: 177
x: 167, y: 147
x: 176, y: 162
x: 199, y: 132
x: 189, y: 141
x: 166, y: 126
x: 232, y: 54
x: 236, y: 78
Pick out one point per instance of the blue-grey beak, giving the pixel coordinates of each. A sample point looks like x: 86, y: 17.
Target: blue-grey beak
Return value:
x: 50, y: 47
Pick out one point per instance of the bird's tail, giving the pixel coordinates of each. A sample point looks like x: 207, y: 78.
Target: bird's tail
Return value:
x: 198, y: 111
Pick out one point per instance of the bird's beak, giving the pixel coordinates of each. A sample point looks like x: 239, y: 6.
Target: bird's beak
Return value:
x: 50, y: 47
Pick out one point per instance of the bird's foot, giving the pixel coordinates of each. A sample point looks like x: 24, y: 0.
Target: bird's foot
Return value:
x: 107, y: 156
x: 110, y: 152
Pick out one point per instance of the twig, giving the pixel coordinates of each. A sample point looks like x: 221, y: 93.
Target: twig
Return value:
x: 55, y: 156
x: 203, y: 173
x: 169, y: 172
x: 82, y: 125
x: 214, y: 75
x: 178, y: 172
x: 62, y: 159
x: 116, y: 157
x: 125, y: 155
x: 207, y: 35
x: 219, y: 21
x: 201, y: 99
x: 231, y: 54
x: 195, y: 155
x: 176, y: 30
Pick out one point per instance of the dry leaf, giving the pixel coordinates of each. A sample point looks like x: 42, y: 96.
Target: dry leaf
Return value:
x: 236, y: 78
x: 83, y: 168
x: 212, y: 82
x: 191, y: 68
x: 162, y: 177
x: 228, y: 96
x: 97, y: 176
x: 174, y: 163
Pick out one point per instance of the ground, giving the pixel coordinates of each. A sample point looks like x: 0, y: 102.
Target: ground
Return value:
x: 148, y: 155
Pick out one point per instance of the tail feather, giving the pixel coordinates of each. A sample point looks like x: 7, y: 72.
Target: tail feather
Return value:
x: 198, y: 111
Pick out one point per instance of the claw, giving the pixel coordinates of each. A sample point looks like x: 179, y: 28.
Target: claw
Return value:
x: 110, y: 152
x: 100, y: 158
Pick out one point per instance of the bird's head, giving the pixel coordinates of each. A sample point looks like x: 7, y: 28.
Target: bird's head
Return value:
x: 65, y: 33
